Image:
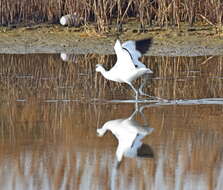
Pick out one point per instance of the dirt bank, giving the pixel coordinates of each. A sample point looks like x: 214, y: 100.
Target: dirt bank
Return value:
x: 57, y: 39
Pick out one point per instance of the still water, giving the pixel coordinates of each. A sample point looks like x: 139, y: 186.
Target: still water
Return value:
x: 63, y: 126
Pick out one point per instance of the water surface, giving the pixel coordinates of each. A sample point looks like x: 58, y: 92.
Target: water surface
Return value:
x: 51, y: 110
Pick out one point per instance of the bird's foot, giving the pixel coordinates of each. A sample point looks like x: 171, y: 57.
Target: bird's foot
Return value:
x: 144, y: 94
x: 152, y: 97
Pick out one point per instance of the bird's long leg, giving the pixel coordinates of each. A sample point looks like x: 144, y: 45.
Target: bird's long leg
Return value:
x: 136, y: 91
x: 145, y: 79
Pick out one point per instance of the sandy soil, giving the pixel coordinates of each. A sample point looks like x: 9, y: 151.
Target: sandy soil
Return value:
x: 57, y: 39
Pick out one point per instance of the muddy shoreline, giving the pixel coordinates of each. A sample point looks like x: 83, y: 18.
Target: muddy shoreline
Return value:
x: 57, y: 39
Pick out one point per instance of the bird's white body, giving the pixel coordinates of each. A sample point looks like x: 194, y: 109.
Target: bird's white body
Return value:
x: 127, y: 76
x: 128, y: 67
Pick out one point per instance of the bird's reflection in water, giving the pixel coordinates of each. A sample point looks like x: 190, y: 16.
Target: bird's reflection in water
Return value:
x: 129, y: 134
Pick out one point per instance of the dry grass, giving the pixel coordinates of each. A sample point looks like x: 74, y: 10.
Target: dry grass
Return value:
x: 103, y: 13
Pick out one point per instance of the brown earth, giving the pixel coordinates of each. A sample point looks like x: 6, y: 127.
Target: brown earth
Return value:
x: 186, y: 41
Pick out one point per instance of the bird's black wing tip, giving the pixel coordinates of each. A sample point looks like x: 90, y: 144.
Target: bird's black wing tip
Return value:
x: 143, y: 45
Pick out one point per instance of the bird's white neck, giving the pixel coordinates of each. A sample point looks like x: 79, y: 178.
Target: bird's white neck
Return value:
x: 106, y: 73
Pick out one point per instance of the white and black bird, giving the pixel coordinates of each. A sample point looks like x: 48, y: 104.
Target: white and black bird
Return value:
x: 128, y: 66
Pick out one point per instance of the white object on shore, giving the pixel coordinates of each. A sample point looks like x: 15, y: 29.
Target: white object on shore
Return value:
x: 128, y: 67
x: 64, y: 56
x: 69, y: 20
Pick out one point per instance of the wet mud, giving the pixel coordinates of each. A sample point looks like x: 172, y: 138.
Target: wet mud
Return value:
x: 57, y: 39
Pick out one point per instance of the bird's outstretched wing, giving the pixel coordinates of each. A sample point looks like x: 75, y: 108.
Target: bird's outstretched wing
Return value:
x: 143, y: 45
x: 136, y: 49
x: 124, y: 59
